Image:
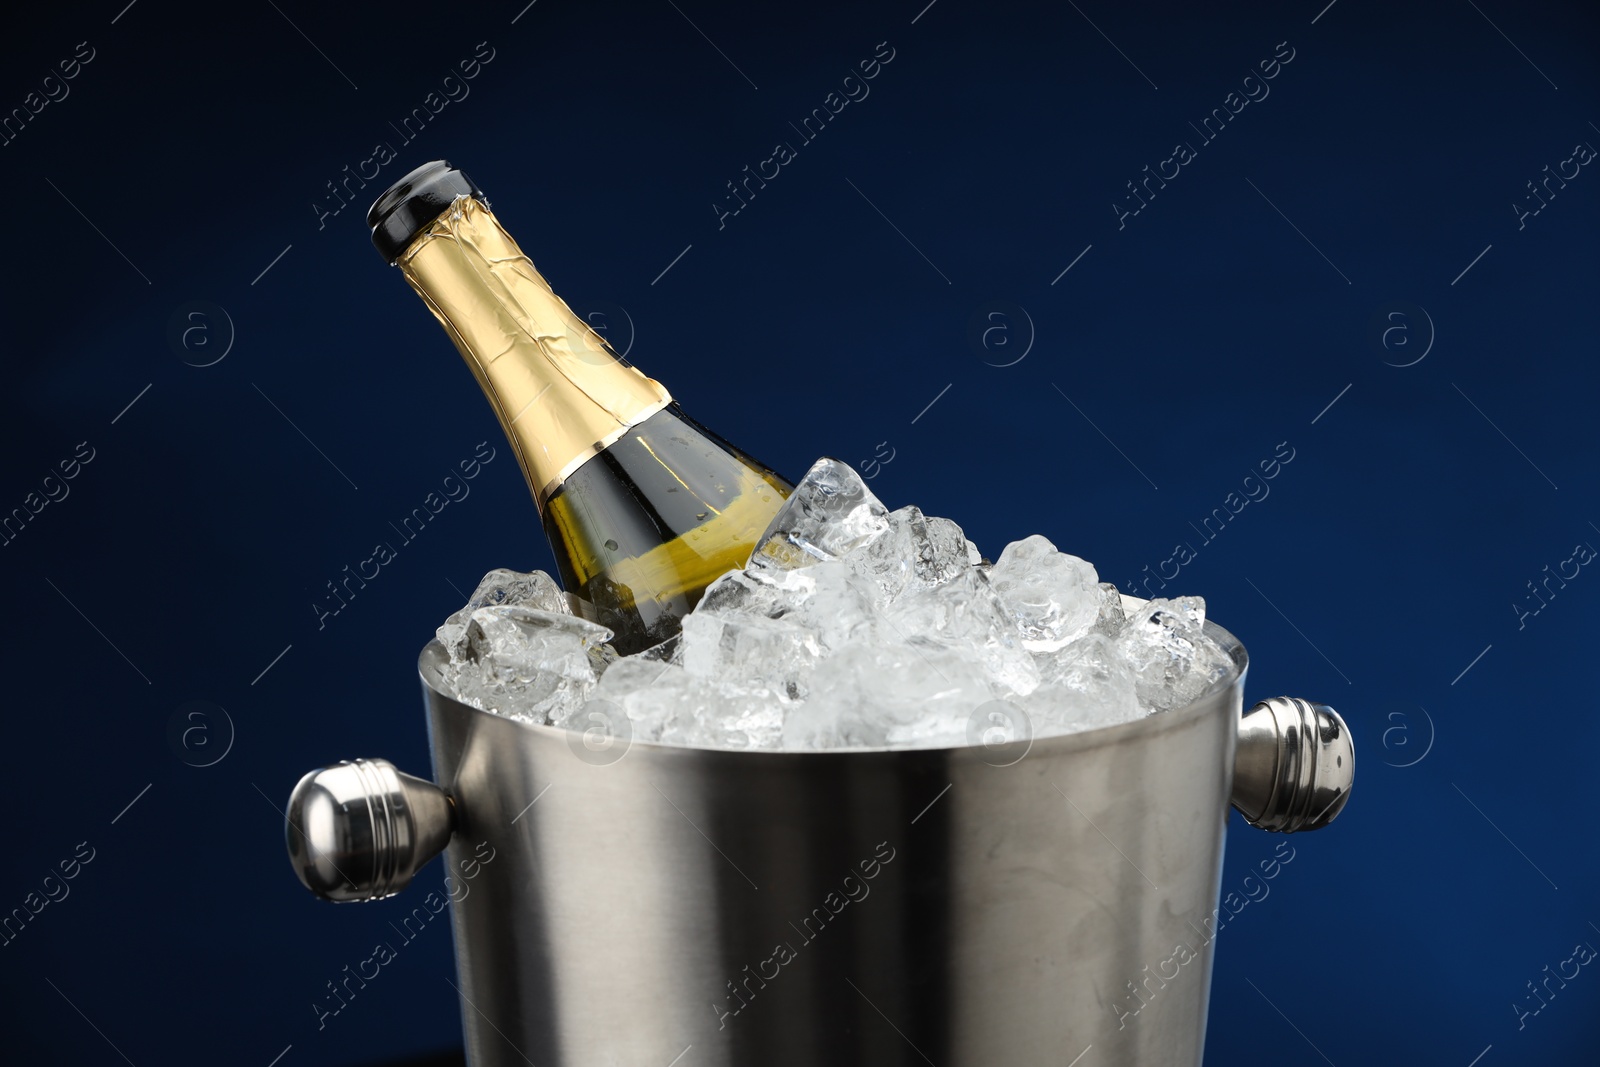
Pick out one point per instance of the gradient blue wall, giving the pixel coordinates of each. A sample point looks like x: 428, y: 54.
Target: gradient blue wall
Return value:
x: 1342, y: 272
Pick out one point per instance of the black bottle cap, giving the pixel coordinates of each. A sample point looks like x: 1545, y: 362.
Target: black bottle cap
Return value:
x: 408, y: 205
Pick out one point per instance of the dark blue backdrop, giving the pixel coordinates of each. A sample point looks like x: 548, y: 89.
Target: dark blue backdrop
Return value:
x: 949, y: 279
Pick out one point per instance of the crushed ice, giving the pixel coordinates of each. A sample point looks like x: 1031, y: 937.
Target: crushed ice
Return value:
x: 851, y: 626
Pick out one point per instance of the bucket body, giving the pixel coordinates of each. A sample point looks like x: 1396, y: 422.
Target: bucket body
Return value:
x: 965, y: 907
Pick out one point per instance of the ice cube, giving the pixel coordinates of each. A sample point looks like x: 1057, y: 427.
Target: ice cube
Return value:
x: 916, y: 552
x: 835, y: 603
x: 1054, y: 597
x: 735, y: 716
x: 526, y: 663
x: 888, y: 695
x: 1172, y: 660
x: 827, y: 599
x: 773, y: 653
x: 668, y: 651
x: 745, y: 595
x: 666, y: 702
x: 831, y: 512
x: 502, y: 587
x: 966, y: 613
x: 1087, y: 684
x: 1111, y: 617
x: 648, y: 692
x: 534, y: 589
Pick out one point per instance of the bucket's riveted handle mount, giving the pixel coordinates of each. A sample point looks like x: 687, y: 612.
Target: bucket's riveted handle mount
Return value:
x: 361, y: 829
x: 1294, y: 765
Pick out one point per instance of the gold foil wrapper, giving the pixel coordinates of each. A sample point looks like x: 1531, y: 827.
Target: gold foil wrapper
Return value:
x: 559, y: 391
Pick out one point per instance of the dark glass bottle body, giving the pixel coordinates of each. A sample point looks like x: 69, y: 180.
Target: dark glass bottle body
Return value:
x: 645, y: 525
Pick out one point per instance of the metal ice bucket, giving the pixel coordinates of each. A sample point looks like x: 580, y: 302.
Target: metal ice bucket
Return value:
x: 983, y: 906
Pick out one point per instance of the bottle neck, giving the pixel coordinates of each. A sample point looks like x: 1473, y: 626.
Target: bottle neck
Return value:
x: 560, y: 393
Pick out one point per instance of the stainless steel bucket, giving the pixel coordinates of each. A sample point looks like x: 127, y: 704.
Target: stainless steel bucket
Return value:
x: 1014, y: 904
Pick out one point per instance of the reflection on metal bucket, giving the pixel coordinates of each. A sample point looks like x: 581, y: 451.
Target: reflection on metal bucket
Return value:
x: 985, y: 905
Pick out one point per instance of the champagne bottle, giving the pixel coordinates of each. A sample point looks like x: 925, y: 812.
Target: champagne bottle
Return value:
x: 643, y: 506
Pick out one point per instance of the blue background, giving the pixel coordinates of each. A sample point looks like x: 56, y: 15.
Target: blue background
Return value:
x: 824, y: 318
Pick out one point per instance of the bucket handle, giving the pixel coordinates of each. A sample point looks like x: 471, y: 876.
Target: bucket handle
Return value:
x: 360, y: 830
x: 1294, y: 765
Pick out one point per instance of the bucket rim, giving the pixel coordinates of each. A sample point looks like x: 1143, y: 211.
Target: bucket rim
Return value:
x: 433, y: 657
